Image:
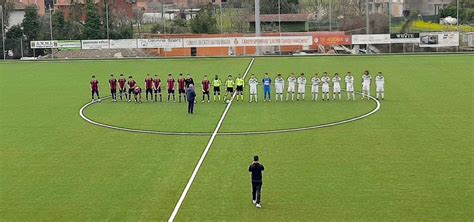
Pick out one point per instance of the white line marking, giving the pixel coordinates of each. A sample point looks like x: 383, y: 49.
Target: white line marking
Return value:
x: 204, y: 154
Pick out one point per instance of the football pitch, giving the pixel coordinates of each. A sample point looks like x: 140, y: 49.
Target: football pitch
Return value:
x: 412, y: 160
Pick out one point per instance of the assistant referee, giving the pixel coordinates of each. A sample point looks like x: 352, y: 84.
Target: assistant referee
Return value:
x: 257, y: 170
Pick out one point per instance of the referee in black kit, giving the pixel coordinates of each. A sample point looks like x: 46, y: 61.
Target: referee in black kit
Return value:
x: 257, y: 170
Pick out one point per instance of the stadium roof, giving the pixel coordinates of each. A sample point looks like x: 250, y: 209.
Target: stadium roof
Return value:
x: 284, y: 17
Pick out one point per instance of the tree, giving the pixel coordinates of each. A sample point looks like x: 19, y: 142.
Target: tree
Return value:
x: 204, y: 22
x: 286, y: 6
x: 466, y: 11
x: 31, y: 23
x: 15, y: 32
x: 7, y: 9
x: 93, y: 28
x: 138, y: 17
x: 59, y: 25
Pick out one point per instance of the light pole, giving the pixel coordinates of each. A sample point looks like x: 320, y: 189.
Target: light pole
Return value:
x: 3, y: 34
x: 107, y: 16
x: 390, y: 24
x: 220, y: 10
x: 279, y: 24
x: 257, y: 23
x: 367, y: 23
x: 51, y: 28
x: 330, y: 15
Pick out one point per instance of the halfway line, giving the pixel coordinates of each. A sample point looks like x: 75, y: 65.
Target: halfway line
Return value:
x: 204, y: 154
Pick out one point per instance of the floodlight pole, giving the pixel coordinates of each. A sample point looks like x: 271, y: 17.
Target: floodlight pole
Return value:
x: 107, y: 16
x: 279, y: 24
x: 257, y: 23
x: 367, y: 23
x: 220, y: 10
x: 3, y: 35
x: 390, y: 24
x: 457, y: 18
x: 330, y: 15
x: 51, y: 28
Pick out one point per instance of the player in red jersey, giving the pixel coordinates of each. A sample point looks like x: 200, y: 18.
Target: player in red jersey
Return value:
x: 131, y: 87
x: 171, y: 85
x: 113, y: 87
x: 122, y: 87
x: 149, y: 87
x: 137, y: 92
x: 95, y: 88
x: 157, y: 87
x: 181, y: 86
x: 206, y: 85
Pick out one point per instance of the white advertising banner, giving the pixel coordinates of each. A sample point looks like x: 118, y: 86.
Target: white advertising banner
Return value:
x: 371, y: 39
x: 248, y: 41
x: 439, y: 39
x: 69, y: 44
x: 209, y: 42
x: 275, y: 41
x: 44, y: 44
x: 160, y: 43
x: 95, y: 44
x: 123, y: 44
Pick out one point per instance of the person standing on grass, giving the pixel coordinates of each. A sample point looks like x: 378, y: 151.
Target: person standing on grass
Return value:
x: 206, y: 85
x: 131, y: 87
x: 95, y: 88
x: 113, y: 87
x: 157, y: 88
x: 122, y: 87
x: 190, y: 96
x: 149, y: 87
x: 257, y: 170
x: 267, y: 81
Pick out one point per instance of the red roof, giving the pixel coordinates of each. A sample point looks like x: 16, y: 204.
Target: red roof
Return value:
x: 283, y: 17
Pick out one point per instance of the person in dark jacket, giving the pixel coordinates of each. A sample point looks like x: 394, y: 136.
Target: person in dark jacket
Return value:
x: 190, y: 96
x: 257, y: 170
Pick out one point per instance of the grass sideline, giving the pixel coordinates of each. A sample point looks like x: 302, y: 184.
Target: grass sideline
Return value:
x: 410, y: 161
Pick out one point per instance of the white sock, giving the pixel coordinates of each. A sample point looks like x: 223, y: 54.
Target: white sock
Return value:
x: 315, y: 97
x: 383, y: 95
x: 303, y: 96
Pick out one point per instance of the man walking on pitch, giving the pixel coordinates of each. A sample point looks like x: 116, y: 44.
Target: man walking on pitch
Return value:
x: 257, y: 170
x: 190, y: 96
x: 95, y: 88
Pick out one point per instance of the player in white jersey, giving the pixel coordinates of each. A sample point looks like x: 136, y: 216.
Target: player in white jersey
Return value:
x: 350, y: 86
x: 336, y: 87
x: 253, y: 82
x: 315, y: 87
x: 291, y: 87
x: 366, y: 80
x: 379, y: 83
x: 301, y: 86
x: 279, y: 85
x: 325, y: 85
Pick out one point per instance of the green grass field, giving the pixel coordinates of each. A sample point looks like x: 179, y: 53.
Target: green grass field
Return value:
x: 411, y: 161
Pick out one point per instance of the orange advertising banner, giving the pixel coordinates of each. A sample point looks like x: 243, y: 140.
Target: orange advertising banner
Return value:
x: 328, y: 40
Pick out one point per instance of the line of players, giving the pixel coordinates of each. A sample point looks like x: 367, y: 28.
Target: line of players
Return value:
x: 153, y: 86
